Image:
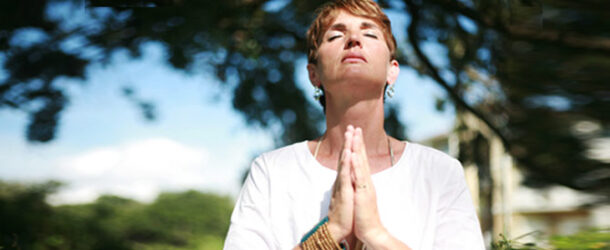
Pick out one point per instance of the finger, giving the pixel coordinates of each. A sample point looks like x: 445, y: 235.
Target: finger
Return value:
x: 360, y: 149
x: 348, y: 137
x: 350, y: 127
x: 356, y: 170
x: 345, y: 171
x: 347, y: 145
x: 358, y: 179
x: 355, y: 145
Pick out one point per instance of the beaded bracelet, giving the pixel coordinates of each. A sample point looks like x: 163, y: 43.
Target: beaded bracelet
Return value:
x: 320, y: 238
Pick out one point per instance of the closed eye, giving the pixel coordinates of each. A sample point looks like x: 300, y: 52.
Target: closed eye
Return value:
x: 371, y: 35
x: 333, y: 37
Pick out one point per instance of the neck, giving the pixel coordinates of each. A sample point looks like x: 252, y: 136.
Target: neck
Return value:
x: 367, y: 114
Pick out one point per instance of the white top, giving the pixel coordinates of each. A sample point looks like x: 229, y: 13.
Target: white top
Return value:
x: 423, y: 200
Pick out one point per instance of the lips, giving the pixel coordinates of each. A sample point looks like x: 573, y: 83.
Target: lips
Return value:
x: 353, y: 57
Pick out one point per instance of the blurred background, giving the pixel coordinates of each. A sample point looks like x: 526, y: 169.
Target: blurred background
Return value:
x: 131, y: 124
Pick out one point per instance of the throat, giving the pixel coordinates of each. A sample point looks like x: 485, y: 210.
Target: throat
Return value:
x: 377, y: 163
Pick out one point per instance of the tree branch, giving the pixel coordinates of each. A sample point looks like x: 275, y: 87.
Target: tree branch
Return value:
x: 412, y: 33
x: 560, y: 38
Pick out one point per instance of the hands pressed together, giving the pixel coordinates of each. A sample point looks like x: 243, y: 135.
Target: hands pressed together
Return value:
x: 353, y: 213
x: 353, y: 206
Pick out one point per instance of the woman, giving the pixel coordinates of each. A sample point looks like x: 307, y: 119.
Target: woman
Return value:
x: 355, y: 186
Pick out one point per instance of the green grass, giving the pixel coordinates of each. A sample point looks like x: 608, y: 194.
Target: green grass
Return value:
x: 589, y: 239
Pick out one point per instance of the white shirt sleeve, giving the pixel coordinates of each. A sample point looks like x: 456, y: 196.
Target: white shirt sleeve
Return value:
x: 457, y: 226
x: 250, y: 227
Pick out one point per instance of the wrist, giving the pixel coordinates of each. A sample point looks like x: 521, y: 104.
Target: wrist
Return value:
x: 320, y: 237
x: 335, y: 231
x: 377, y: 239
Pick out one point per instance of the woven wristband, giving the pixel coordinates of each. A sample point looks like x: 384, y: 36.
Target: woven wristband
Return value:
x: 320, y: 238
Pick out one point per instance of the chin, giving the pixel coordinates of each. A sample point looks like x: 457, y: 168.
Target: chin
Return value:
x: 362, y: 78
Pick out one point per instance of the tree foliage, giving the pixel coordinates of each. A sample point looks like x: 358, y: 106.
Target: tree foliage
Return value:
x: 533, y: 70
x: 186, y: 220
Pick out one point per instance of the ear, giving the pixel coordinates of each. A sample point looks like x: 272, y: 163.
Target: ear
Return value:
x: 313, y: 75
x: 393, y: 72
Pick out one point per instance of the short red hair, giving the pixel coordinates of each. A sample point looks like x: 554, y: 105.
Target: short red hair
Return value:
x: 329, y: 11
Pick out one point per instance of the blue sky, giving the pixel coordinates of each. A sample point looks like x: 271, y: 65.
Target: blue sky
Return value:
x: 104, y: 145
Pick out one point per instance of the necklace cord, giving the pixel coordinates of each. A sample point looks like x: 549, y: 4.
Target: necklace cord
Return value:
x: 391, y: 150
x: 315, y: 153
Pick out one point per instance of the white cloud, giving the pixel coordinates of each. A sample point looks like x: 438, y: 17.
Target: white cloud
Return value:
x: 139, y: 167
x: 137, y: 170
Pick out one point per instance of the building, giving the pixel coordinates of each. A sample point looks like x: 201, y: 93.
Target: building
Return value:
x: 507, y: 207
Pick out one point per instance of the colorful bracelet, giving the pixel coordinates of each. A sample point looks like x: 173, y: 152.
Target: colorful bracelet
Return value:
x: 319, y: 238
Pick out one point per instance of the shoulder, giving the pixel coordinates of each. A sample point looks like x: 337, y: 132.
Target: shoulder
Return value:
x: 285, y: 151
x: 428, y: 154
x: 284, y: 154
x: 430, y: 160
x: 266, y: 164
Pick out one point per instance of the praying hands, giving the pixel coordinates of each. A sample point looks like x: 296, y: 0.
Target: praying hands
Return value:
x: 353, y: 212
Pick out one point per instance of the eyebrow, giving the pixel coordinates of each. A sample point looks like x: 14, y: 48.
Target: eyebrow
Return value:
x: 368, y: 25
x: 363, y: 25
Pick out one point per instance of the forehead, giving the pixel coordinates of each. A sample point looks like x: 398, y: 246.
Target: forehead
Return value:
x: 344, y: 18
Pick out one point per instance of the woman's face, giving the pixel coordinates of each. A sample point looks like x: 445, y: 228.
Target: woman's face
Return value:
x: 353, y: 55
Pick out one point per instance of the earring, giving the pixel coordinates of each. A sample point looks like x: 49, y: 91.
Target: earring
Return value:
x: 390, y: 91
x: 317, y: 93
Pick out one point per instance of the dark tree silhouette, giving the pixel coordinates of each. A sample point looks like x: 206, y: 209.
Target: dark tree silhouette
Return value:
x: 534, y: 71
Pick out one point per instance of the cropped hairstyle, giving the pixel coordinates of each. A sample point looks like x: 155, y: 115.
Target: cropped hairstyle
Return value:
x: 326, y: 14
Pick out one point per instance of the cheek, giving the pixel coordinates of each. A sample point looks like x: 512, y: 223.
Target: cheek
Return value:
x: 326, y: 58
x: 382, y: 51
x: 326, y: 53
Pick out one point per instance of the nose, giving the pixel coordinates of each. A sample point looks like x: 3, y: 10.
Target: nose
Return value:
x: 353, y: 41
